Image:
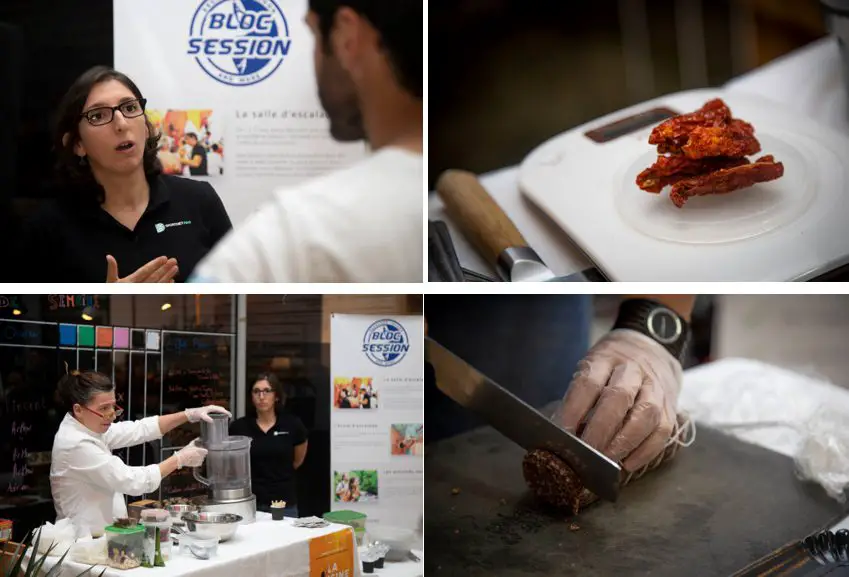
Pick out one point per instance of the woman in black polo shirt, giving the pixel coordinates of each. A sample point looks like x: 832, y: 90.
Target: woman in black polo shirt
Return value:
x: 117, y: 218
x: 278, y: 448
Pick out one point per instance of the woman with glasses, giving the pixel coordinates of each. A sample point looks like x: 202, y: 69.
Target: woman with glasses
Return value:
x: 117, y: 217
x: 87, y: 481
x: 278, y: 448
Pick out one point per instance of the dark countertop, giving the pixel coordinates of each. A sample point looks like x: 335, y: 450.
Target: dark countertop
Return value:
x: 719, y: 506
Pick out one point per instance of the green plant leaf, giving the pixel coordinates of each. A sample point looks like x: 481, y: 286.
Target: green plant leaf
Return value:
x: 33, y: 551
x: 57, y: 567
x: 87, y: 571
x: 41, y: 561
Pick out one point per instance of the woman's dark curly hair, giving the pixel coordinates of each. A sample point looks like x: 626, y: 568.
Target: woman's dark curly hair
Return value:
x: 71, y: 171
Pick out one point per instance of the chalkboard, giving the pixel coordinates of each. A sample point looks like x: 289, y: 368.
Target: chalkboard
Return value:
x: 29, y: 418
x: 164, y: 372
x: 196, y: 372
x: 181, y: 483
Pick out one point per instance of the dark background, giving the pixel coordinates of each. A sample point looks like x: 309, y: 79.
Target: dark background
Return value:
x: 44, y: 46
x: 505, y: 75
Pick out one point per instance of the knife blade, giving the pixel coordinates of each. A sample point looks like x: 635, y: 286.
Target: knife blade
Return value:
x: 493, y: 233
x: 520, y: 422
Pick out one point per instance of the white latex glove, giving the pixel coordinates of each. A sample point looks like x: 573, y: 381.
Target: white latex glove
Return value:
x: 198, y: 413
x: 625, y: 392
x: 190, y: 456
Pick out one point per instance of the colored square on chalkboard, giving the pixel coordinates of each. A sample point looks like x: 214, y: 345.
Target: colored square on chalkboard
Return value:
x: 85, y: 336
x: 104, y: 337
x: 122, y: 338
x: 152, y: 343
x: 68, y: 335
x: 137, y: 336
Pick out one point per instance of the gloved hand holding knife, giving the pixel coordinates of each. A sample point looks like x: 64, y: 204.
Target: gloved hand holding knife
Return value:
x: 622, y: 400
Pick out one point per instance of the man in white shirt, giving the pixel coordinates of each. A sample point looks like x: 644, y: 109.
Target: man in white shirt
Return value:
x: 363, y: 223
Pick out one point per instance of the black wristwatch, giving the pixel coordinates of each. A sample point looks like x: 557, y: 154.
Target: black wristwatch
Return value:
x: 657, y: 322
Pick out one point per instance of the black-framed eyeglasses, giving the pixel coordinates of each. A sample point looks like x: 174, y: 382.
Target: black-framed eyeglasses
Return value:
x: 105, y: 114
x: 262, y: 392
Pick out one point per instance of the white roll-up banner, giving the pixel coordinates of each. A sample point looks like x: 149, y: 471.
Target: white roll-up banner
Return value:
x: 377, y: 417
x: 238, y: 74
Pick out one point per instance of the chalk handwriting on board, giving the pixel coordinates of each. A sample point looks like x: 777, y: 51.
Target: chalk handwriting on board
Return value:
x: 183, y: 482
x: 12, y: 332
x: 26, y: 406
x: 179, y: 343
x: 199, y: 374
x: 20, y: 430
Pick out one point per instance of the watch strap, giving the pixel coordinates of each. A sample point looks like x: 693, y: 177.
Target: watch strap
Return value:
x: 634, y: 314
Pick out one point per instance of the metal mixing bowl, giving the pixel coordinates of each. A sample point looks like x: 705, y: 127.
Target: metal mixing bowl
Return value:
x: 223, y: 525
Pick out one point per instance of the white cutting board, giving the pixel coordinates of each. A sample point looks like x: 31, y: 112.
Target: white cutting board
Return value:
x: 793, y: 228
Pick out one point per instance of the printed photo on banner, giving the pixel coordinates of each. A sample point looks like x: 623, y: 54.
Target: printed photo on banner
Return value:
x: 359, y: 486
x: 191, y: 144
x: 354, y: 393
x: 407, y: 439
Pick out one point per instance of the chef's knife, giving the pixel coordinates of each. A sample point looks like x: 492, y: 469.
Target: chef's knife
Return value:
x: 493, y: 233
x: 520, y: 422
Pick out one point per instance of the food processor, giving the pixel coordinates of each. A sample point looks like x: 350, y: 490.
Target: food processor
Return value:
x: 228, y: 469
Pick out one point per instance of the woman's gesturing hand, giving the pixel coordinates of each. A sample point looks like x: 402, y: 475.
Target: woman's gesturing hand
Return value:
x: 159, y: 270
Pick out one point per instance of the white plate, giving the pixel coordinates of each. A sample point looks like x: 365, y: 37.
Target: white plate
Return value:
x: 792, y: 228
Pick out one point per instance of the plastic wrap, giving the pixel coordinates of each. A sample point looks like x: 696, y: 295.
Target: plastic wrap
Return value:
x: 798, y: 414
x: 60, y: 537
x: 823, y: 454
x: 89, y: 551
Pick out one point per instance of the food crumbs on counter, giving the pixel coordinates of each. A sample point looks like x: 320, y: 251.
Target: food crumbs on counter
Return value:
x: 456, y: 531
x: 455, y: 491
x: 503, y: 501
x: 574, y: 527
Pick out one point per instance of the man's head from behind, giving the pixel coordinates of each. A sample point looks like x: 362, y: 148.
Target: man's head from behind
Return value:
x: 361, y: 44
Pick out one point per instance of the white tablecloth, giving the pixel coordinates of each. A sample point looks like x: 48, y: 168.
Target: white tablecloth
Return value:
x: 265, y: 548
x: 808, y: 80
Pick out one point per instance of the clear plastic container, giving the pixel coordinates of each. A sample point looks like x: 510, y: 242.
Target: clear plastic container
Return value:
x: 162, y: 530
x: 124, y: 546
x: 199, y: 545
x: 353, y: 519
x: 350, y: 518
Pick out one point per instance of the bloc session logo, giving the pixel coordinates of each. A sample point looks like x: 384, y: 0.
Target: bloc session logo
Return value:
x: 239, y: 42
x: 386, y: 343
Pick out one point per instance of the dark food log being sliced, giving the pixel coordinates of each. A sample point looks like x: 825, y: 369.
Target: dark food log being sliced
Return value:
x: 555, y: 483
x: 727, y: 180
x: 671, y: 169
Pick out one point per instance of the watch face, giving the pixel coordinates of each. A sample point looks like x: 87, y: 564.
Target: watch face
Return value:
x: 664, y: 325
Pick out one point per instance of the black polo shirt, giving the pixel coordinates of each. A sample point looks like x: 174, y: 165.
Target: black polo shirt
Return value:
x: 68, y: 240
x: 272, y: 453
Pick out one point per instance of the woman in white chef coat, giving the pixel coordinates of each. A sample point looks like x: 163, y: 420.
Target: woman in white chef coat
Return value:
x: 88, y: 482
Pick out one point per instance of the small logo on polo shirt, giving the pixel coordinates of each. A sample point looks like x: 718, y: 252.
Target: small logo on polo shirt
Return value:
x: 281, y: 433
x: 161, y: 227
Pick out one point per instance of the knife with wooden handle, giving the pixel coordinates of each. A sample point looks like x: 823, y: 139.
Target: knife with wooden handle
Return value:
x: 493, y: 233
